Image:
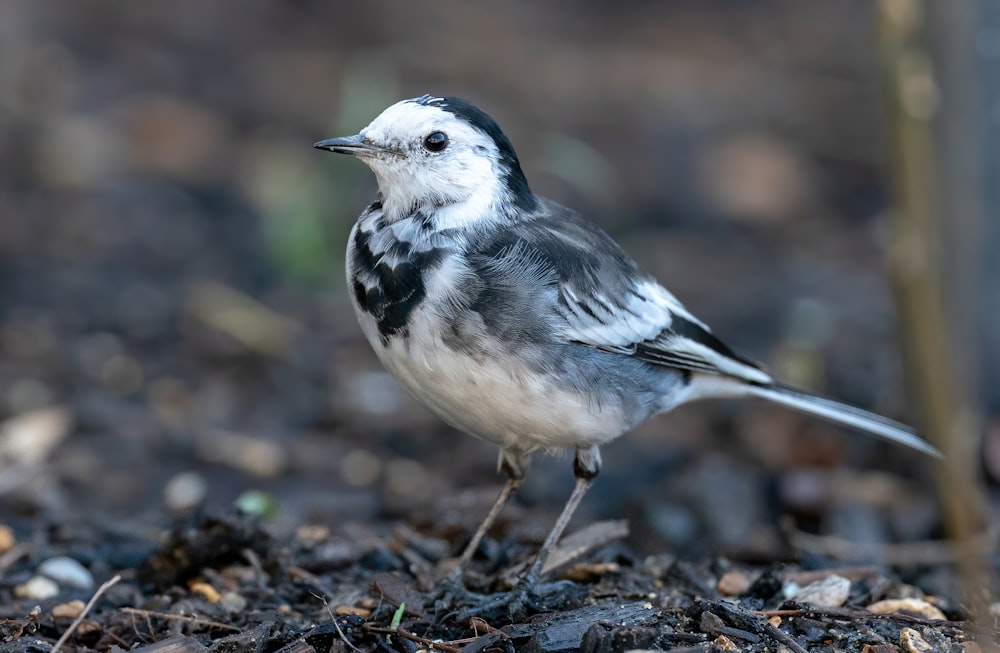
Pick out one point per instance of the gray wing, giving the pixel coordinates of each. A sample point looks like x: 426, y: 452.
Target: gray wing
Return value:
x: 601, y: 297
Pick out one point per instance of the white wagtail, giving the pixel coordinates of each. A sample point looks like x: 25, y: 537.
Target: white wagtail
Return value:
x: 514, y: 319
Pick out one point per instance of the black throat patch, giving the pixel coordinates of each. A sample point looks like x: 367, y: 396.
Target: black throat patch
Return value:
x: 391, y: 293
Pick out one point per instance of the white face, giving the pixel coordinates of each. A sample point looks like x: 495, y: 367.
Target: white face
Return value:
x: 432, y: 158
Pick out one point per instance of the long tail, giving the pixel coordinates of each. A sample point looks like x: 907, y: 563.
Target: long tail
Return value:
x: 843, y: 414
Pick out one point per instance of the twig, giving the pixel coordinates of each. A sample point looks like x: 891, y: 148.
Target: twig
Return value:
x: 251, y: 556
x: 905, y: 554
x: 180, y: 617
x: 333, y: 618
x: 12, y: 556
x: 429, y: 643
x: 80, y: 617
x: 782, y: 637
x: 917, y: 229
x: 857, y: 613
x: 479, y: 622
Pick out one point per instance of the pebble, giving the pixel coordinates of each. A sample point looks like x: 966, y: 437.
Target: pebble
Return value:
x: 912, y: 642
x: 233, y: 602
x: 185, y: 492
x: 829, y: 592
x: 67, y: 571
x: 918, y: 607
x: 733, y: 583
x: 37, y: 588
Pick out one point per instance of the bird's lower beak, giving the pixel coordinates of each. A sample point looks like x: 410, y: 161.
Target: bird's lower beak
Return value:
x: 355, y: 145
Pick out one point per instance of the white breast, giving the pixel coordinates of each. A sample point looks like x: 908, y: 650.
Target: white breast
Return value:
x: 502, y: 401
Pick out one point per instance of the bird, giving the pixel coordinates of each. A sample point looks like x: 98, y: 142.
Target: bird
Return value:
x: 518, y: 321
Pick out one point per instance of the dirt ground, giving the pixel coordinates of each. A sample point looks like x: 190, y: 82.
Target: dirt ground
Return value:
x: 186, y: 401
x: 226, y: 583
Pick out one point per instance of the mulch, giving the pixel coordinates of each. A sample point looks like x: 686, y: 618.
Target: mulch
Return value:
x: 228, y: 584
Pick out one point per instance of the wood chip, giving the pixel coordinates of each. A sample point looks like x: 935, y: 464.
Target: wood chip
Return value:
x: 70, y: 610
x: 880, y: 648
x: 207, y: 592
x: 175, y: 644
x: 586, y: 539
x: 364, y: 613
x: 917, y: 607
x: 7, y: 539
x: 587, y: 572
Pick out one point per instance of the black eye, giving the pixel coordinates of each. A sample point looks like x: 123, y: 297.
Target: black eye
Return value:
x: 436, y: 141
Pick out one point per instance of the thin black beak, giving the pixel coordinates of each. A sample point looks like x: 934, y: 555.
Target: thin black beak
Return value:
x: 347, y: 145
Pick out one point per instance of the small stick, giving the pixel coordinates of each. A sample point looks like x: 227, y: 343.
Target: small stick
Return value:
x: 333, y: 618
x: 180, y: 617
x: 856, y: 613
x: 783, y: 638
x: 436, y: 646
x: 80, y: 617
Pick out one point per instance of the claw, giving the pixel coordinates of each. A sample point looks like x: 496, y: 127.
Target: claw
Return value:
x: 534, y: 599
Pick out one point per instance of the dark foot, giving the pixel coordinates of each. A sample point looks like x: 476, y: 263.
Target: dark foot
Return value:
x: 521, y: 601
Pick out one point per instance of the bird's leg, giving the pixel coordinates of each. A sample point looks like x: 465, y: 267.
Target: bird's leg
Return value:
x: 512, y: 465
x: 586, y: 466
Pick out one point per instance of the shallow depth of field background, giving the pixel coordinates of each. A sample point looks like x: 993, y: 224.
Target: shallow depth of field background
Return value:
x: 174, y: 326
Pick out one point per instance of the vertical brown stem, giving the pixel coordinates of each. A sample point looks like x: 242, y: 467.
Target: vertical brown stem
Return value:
x: 914, y: 262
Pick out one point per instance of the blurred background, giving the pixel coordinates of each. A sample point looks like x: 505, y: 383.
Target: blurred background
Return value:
x: 174, y: 327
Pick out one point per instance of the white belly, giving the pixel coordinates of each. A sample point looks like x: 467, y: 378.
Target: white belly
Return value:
x: 502, y: 401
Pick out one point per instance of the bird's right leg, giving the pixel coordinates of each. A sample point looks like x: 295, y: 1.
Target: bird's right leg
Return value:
x: 512, y: 465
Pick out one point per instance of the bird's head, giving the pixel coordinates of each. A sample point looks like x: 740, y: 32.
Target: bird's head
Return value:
x: 441, y: 156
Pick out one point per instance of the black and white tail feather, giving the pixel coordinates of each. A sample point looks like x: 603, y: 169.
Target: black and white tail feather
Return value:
x: 841, y: 413
x: 685, y: 343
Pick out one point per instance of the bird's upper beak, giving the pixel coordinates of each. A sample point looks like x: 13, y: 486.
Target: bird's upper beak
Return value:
x: 356, y: 145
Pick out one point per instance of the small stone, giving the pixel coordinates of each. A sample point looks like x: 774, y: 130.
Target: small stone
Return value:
x: 67, y: 571
x: 829, y: 592
x: 733, y: 583
x: 70, y: 610
x: 185, y: 492
x: 918, y: 607
x: 723, y: 643
x: 37, y: 588
x: 912, y: 642
x: 311, y: 534
x: 233, y: 602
